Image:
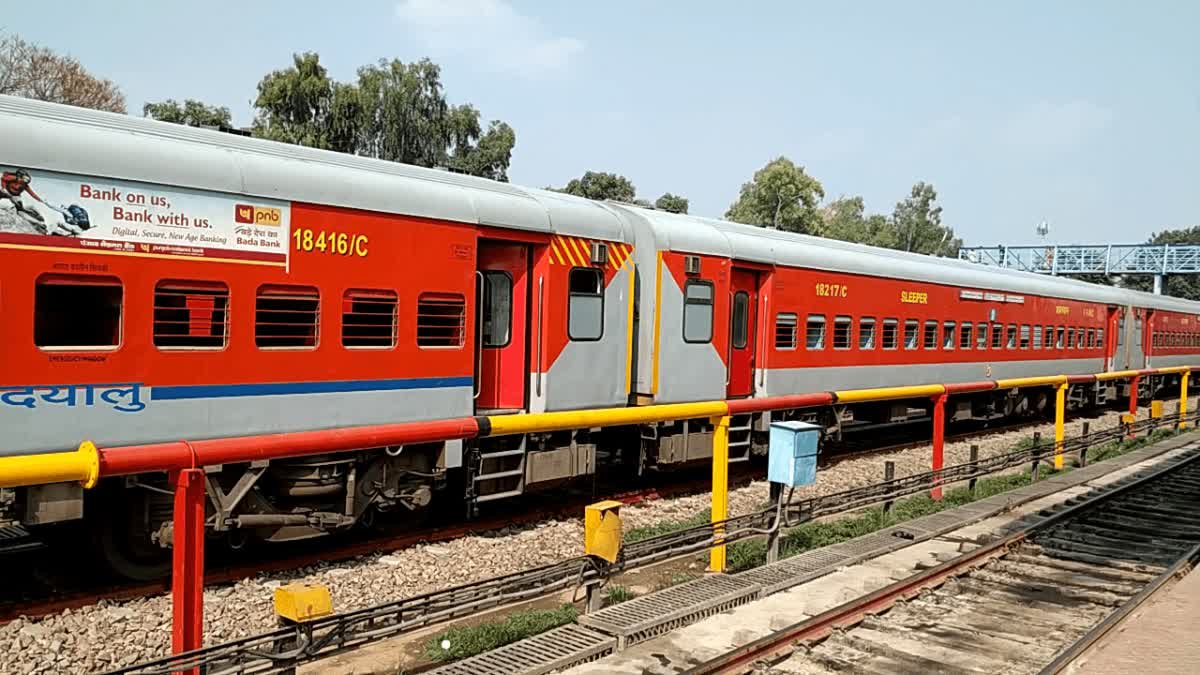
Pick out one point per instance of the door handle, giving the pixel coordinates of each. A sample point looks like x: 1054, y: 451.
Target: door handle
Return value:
x: 729, y: 345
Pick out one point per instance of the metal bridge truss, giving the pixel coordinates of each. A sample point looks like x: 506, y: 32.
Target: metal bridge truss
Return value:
x: 1156, y: 259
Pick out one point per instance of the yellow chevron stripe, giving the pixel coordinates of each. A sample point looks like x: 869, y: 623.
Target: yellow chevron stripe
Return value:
x: 556, y: 253
x: 613, y: 261
x: 585, y: 256
x: 566, y: 249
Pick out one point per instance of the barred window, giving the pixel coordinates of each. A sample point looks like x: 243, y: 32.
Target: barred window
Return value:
x: 1100, y: 338
x: 785, y: 331
x: 997, y: 336
x: 1091, y: 338
x: 1024, y: 336
x: 369, y: 318
x: 981, y: 336
x: 866, y: 333
x: 964, y: 336
x: 1049, y: 337
x: 191, y: 315
x: 911, y: 333
x: 1070, y: 337
x: 1037, y: 337
x: 841, y: 332
x: 1058, y: 342
x: 931, y: 335
x: 814, y: 337
x: 891, y: 330
x: 287, y: 317
x: 441, y: 320
x: 1011, y: 342
x: 948, y: 335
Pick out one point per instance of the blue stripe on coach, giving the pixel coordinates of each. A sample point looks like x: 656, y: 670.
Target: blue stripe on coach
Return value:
x: 174, y: 393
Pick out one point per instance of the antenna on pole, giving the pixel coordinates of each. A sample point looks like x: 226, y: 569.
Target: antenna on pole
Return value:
x: 1043, y: 229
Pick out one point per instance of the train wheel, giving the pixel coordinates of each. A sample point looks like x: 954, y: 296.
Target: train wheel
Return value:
x: 121, y: 522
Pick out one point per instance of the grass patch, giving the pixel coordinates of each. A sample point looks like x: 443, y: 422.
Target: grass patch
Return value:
x: 750, y: 553
x: 464, y: 641
x: 616, y: 595
x: 695, y: 520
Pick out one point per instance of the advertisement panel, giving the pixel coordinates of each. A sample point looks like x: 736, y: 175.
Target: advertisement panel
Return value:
x: 43, y: 208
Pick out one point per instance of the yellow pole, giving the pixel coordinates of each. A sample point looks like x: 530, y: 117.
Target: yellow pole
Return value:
x: 1060, y: 407
x: 1183, y: 394
x: 720, y: 490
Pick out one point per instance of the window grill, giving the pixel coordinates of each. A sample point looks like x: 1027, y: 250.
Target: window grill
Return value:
x: 441, y: 320
x: 287, y: 317
x: 191, y: 315
x: 369, y: 318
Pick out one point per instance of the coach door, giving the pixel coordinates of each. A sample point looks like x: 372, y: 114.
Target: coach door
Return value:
x: 501, y: 289
x: 743, y: 291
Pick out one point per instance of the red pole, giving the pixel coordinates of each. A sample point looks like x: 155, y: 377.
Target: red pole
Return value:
x: 187, y: 576
x: 939, y: 442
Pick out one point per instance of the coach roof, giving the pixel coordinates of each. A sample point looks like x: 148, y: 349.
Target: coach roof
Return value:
x: 694, y: 234
x: 67, y: 139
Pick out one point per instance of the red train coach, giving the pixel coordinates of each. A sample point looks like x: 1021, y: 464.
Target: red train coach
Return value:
x: 163, y: 282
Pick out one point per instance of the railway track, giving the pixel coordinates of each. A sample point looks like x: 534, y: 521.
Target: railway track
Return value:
x: 1031, y: 602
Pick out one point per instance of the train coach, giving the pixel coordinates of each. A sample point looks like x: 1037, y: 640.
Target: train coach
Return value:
x: 163, y: 282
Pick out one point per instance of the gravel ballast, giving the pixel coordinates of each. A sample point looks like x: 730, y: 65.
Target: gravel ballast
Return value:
x: 109, y: 635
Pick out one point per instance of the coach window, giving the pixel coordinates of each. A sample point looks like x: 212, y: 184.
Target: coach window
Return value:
x: 1099, y: 338
x: 442, y: 321
x: 814, y: 336
x: 741, y: 319
x: 1058, y: 342
x: 1070, y: 337
x: 785, y: 330
x: 1048, y: 338
x: 1091, y: 338
x: 77, y: 312
x: 997, y: 336
x: 1025, y: 336
x: 931, y: 335
x: 981, y: 336
x: 191, y: 315
x: 287, y: 317
x: 891, y: 329
x: 1011, y: 342
x: 369, y: 319
x: 697, y: 311
x: 911, y: 327
x: 841, y: 332
x: 948, y: 335
x: 964, y: 336
x: 1037, y: 338
x: 494, y: 290
x: 585, y: 305
x: 866, y: 333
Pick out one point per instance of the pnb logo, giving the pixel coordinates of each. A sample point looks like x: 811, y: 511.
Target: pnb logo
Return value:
x: 257, y: 215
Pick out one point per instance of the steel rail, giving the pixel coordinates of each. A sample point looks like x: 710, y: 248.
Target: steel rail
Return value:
x: 816, y: 628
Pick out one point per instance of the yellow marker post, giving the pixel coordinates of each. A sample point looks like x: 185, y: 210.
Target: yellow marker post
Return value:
x: 720, y: 490
x: 1060, y: 408
x: 1183, y: 394
x: 602, y: 530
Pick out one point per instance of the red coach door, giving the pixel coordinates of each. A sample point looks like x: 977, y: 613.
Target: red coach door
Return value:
x: 501, y: 286
x: 742, y: 319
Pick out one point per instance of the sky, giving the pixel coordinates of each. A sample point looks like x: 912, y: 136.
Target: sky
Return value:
x: 1083, y: 114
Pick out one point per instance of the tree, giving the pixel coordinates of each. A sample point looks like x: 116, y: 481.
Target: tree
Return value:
x: 845, y: 219
x: 191, y: 112
x: 394, y: 111
x: 35, y: 72
x: 601, y: 185
x: 672, y: 203
x: 781, y: 196
x: 918, y: 223
x: 1179, y: 285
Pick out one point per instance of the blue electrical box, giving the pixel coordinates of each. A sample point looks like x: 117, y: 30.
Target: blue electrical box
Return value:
x: 792, y: 453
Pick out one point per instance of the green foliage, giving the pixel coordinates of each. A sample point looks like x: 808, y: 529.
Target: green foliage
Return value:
x: 1180, y: 285
x: 394, y: 111
x: 601, y: 185
x: 780, y: 196
x: 471, y: 640
x: 672, y: 203
x: 918, y: 223
x: 695, y: 520
x: 845, y: 219
x: 617, y: 594
x: 682, y: 578
x: 191, y: 112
